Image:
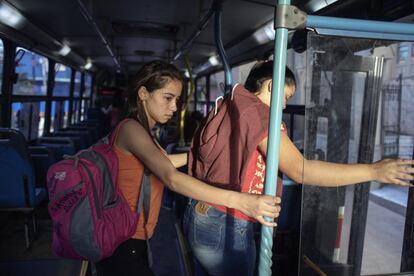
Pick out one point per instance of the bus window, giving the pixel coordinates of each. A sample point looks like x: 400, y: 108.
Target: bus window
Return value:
x: 62, y: 80
x: 1, y: 63
x: 216, y: 85
x: 76, y: 92
x: 240, y: 73
x: 88, y: 85
x: 75, y: 113
x: 201, y: 96
x: 28, y: 118
x: 32, y: 72
x: 53, y: 117
x: 65, y: 114
x: 84, y: 104
x: 59, y: 115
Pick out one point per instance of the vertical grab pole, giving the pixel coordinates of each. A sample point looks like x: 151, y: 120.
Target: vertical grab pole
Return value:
x: 275, y: 121
x: 228, y: 79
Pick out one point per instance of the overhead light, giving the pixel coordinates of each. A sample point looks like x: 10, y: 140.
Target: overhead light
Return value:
x: 88, y: 65
x: 265, y: 34
x: 9, y: 15
x: 64, y: 51
x: 213, y: 60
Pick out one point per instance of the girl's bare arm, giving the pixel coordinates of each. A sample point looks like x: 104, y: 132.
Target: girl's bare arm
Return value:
x: 134, y: 139
x: 314, y: 172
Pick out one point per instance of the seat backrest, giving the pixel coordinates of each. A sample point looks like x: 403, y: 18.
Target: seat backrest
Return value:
x: 60, y: 145
x: 17, y: 185
x: 85, y: 136
x: 42, y: 157
x: 16, y: 139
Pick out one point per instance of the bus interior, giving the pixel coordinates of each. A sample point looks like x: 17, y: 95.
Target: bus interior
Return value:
x: 66, y: 64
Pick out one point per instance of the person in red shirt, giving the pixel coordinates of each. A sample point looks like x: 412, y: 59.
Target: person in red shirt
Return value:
x: 229, y: 151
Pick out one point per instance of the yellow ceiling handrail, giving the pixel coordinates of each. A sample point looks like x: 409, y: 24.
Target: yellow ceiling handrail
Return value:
x: 181, y: 142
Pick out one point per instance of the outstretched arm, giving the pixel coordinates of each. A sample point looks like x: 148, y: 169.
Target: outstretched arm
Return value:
x: 295, y: 166
x: 134, y: 139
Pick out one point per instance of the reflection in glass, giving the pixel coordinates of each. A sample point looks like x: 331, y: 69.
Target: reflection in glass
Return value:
x: 28, y: 118
x: 59, y: 115
x: 201, y: 91
x: 216, y: 85
x: 1, y: 63
x: 62, y: 80
x: 75, y: 112
x: 32, y: 71
x: 77, y: 85
x: 88, y: 85
x: 240, y: 73
x: 358, y: 110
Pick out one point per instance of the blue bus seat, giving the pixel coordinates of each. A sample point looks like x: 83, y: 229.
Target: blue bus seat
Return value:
x: 94, y: 132
x: 85, y: 136
x: 42, y: 157
x: 75, y: 137
x: 18, y: 182
x: 95, y: 113
x: 60, y: 145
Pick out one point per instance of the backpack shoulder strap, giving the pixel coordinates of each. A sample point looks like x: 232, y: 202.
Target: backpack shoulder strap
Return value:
x: 145, y: 195
x: 143, y: 204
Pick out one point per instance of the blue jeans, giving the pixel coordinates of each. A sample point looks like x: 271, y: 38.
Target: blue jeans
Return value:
x: 222, y: 244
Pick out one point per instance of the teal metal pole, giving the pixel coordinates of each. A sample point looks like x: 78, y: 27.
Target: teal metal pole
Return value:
x: 272, y: 155
x: 228, y: 79
x: 337, y: 23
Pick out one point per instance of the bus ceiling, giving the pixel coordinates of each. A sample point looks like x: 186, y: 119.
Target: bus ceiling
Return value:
x: 122, y: 35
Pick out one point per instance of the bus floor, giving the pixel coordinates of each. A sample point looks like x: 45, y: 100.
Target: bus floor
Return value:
x: 382, y: 249
x: 38, y: 260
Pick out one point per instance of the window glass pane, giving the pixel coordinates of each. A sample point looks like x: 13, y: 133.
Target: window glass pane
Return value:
x: 1, y: 63
x: 403, y: 51
x: 75, y: 113
x: 59, y: 115
x: 88, y: 85
x: 82, y: 112
x: 201, y: 95
x: 240, y: 73
x: 53, y: 116
x: 65, y: 114
x: 32, y: 70
x: 29, y: 118
x: 39, y: 120
x: 201, y: 89
x: 19, y: 119
x: 76, y: 91
x: 62, y: 80
x: 216, y: 85
x: 412, y: 49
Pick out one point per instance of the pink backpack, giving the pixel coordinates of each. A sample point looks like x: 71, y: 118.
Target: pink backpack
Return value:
x: 90, y: 215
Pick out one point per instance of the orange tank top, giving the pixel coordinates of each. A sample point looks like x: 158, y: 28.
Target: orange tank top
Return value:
x: 130, y: 174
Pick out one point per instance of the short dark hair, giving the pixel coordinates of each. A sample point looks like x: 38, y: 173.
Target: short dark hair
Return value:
x: 262, y: 71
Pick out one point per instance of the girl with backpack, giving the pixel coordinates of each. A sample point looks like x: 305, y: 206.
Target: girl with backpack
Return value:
x: 152, y: 99
x: 224, y: 241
